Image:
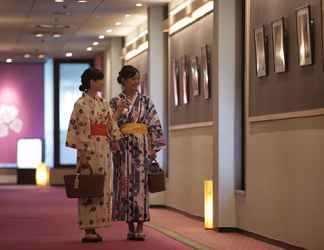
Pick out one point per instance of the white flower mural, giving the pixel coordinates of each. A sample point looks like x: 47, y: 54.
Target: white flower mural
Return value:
x: 9, y: 120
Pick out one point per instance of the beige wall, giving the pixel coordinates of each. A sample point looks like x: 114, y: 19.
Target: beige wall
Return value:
x: 191, y: 162
x: 284, y: 177
x: 284, y: 182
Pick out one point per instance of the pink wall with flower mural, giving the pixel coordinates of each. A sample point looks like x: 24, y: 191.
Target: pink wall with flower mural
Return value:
x: 21, y: 106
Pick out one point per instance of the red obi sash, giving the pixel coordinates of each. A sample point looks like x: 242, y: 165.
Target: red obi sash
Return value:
x: 99, y: 129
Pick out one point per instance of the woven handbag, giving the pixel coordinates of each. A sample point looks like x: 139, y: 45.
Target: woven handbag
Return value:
x: 84, y: 186
x: 156, y: 178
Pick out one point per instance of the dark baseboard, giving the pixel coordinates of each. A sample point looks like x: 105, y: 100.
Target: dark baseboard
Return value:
x: 26, y: 176
x: 235, y: 230
x: 273, y: 242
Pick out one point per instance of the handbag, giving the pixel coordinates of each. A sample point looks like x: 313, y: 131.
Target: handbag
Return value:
x: 156, y: 179
x: 84, y: 186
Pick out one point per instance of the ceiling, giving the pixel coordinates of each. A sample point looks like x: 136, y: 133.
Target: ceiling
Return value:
x: 79, y: 24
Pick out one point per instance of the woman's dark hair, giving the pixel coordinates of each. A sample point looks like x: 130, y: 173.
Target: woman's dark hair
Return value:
x: 88, y: 75
x: 127, y: 71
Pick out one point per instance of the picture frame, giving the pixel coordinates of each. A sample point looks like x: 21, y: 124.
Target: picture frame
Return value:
x: 184, y: 79
x: 279, y: 46
x: 175, y: 81
x: 304, y: 42
x: 194, y: 75
x: 205, y: 71
x: 260, y: 52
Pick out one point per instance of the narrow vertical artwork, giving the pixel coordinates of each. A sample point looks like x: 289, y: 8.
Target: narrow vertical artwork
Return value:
x: 194, y: 76
x: 304, y: 36
x: 175, y: 81
x: 205, y: 71
x: 184, y: 79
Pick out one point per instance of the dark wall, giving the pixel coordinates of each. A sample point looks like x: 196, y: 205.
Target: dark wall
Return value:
x: 301, y: 88
x: 189, y: 42
x: 140, y: 62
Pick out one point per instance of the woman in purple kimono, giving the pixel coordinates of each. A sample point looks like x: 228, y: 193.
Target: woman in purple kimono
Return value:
x: 142, y: 139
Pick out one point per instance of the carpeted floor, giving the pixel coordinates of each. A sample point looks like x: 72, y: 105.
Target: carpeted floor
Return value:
x: 43, y: 219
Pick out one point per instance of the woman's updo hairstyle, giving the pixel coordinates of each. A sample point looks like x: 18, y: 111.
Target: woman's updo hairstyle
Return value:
x: 127, y: 71
x: 88, y: 75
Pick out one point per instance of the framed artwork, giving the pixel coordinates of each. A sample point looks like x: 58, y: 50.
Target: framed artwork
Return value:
x: 184, y: 79
x: 279, y: 46
x: 260, y: 52
x: 205, y: 71
x: 175, y: 81
x: 194, y: 76
x: 304, y: 36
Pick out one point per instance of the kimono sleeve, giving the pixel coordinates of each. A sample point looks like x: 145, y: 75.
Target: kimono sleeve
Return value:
x: 155, y: 133
x: 113, y: 129
x: 79, y: 130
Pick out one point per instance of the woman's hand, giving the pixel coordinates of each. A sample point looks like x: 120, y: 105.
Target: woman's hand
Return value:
x: 152, y: 155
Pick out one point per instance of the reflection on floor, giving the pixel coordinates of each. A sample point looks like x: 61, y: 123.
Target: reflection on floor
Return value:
x: 191, y: 231
x: 43, y: 218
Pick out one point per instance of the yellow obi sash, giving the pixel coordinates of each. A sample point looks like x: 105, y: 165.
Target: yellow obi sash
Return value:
x: 134, y: 128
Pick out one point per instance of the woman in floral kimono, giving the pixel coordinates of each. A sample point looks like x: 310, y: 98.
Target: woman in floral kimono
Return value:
x: 142, y: 139
x: 90, y: 129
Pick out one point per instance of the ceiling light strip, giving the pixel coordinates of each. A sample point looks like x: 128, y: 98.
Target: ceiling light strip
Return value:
x: 190, y: 12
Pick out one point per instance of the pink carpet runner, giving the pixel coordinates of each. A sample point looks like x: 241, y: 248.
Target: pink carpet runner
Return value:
x: 43, y: 219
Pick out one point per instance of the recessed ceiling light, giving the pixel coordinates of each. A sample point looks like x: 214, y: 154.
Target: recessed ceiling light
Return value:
x: 127, y: 15
x: 101, y: 37
x: 82, y: 1
x: 118, y: 23
x: 8, y: 60
x: 95, y: 43
x: 139, y: 5
x: 27, y: 56
x: 109, y: 30
x: 89, y: 49
x: 41, y: 56
x: 39, y: 35
x: 57, y: 35
x: 59, y: 1
x: 68, y: 54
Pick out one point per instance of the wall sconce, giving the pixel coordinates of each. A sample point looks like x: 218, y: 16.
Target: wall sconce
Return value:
x: 42, y: 175
x: 189, y: 13
x: 208, y: 204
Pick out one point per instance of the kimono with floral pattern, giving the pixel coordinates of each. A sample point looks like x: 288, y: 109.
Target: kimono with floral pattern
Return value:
x: 130, y: 179
x: 93, y: 156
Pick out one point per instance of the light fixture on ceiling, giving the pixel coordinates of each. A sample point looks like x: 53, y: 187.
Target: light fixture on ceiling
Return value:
x: 118, y: 23
x: 127, y: 15
x: 8, y: 60
x: 187, y: 13
x: 95, y: 43
x: 59, y: 1
x: 136, y: 45
x: 41, y: 56
x: 89, y: 49
x: 101, y: 37
x: 82, y: 1
x: 139, y: 5
x: 68, y: 54
x: 39, y: 35
x: 27, y: 56
x: 57, y: 35
x: 109, y: 30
